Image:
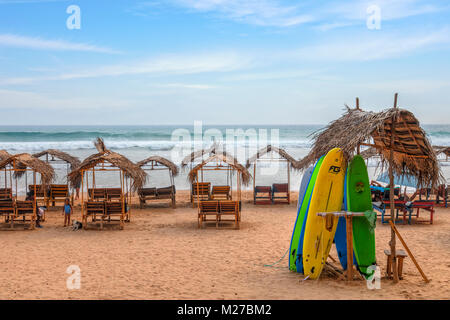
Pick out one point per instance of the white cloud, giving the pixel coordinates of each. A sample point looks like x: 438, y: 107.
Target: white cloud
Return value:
x: 17, y: 41
x: 186, y: 86
x: 166, y: 65
x: 376, y: 47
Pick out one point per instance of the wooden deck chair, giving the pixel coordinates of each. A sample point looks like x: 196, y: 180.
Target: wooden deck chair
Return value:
x: 200, y: 191
x: 221, y: 193
x: 5, y: 193
x: 114, y: 212
x: 97, y: 194
x: 167, y: 193
x: 229, y: 208
x: 262, y: 195
x: 42, y: 195
x: 206, y: 209
x: 424, y: 205
x: 280, y: 193
x: 95, y: 210
x: 58, y: 193
x: 24, y: 209
x: 113, y: 194
x: 7, y: 211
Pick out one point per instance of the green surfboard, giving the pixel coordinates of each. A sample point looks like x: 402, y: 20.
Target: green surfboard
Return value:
x: 296, y: 234
x: 359, y: 200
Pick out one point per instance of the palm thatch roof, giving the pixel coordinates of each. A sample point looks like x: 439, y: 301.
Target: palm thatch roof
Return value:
x: 199, y: 154
x: 413, y: 154
x: 130, y: 169
x: 25, y: 160
x: 162, y: 161
x: 74, y: 162
x: 369, y: 153
x: 442, y: 150
x: 230, y: 161
x: 4, y: 155
x: 268, y: 149
x: 71, y: 160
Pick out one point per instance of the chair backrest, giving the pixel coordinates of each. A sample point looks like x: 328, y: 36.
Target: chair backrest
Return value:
x: 59, y: 190
x: 113, y: 207
x: 95, y: 206
x: 263, y: 189
x: 97, y: 193
x: 209, y: 206
x: 201, y: 188
x: 114, y: 193
x: 5, y: 193
x: 221, y: 189
x: 166, y: 190
x: 39, y: 190
x: 6, y: 206
x: 24, y: 207
x: 229, y: 206
x: 147, y: 191
x: 280, y: 187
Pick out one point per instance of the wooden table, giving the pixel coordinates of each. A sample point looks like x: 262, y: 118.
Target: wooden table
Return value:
x: 349, y: 229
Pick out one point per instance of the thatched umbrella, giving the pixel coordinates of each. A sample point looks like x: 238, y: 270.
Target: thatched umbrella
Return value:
x: 199, y: 154
x: 20, y: 162
x: 399, y: 140
x: 162, y: 161
x: 130, y: 169
x: 4, y: 155
x: 442, y: 150
x: 72, y: 161
x: 230, y: 161
x: 293, y: 163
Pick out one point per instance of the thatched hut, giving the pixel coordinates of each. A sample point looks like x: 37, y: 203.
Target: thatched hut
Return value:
x: 200, y: 154
x: 158, y: 163
x: 279, y: 193
x: 442, y: 150
x: 397, y: 137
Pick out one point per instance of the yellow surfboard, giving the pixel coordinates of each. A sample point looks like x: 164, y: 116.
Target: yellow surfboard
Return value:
x: 327, y: 196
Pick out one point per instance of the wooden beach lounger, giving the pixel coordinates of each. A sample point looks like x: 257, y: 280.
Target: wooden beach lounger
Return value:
x: 97, y: 194
x: 221, y: 193
x: 24, y: 209
x: 58, y: 193
x: 200, y: 191
x: 280, y: 193
x: 150, y: 194
x: 42, y: 195
x: 262, y: 195
x: 208, y: 208
x: 5, y: 193
x: 7, y: 211
x: 113, y: 194
x: 229, y: 208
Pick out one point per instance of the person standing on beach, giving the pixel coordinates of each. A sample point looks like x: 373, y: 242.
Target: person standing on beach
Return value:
x: 67, y: 211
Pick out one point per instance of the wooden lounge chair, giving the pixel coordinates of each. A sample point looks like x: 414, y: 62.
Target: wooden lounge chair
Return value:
x: 221, y: 193
x: 5, y: 193
x: 95, y: 210
x: 208, y: 208
x: 280, y: 193
x: 58, y: 193
x: 114, y: 212
x: 229, y: 208
x: 262, y: 195
x: 113, y: 194
x: 24, y: 209
x: 200, y: 191
x: 42, y: 195
x: 97, y: 194
x: 157, y: 194
x: 424, y: 205
x: 7, y: 210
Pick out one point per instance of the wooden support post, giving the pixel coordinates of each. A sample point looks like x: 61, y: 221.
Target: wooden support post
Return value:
x: 394, y: 229
x: 349, y: 223
x: 392, y: 194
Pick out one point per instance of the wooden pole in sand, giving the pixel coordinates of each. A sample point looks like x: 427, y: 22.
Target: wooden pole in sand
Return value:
x: 358, y: 149
x: 392, y: 194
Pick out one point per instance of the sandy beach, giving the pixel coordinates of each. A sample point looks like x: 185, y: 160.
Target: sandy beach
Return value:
x: 162, y: 254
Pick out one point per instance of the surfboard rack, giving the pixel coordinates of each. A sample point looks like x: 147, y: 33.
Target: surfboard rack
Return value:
x: 348, y: 215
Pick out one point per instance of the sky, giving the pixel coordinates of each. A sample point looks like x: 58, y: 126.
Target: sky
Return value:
x: 220, y: 61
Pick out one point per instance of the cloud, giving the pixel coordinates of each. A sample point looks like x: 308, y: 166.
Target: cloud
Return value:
x: 11, y: 40
x: 165, y: 65
x: 273, y: 13
x: 186, y: 86
x: 377, y: 46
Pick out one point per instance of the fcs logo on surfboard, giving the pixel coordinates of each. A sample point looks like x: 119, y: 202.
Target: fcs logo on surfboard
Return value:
x: 334, y: 170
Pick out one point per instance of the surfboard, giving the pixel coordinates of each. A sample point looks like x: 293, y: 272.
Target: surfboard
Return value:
x: 359, y: 200
x: 304, y: 214
x: 307, y: 186
x: 327, y: 196
x: 340, y: 237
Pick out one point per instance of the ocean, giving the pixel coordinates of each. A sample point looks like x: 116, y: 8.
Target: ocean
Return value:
x: 174, y: 142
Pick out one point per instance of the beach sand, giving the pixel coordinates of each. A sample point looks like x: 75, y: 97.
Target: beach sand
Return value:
x: 162, y: 254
